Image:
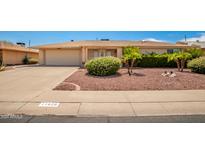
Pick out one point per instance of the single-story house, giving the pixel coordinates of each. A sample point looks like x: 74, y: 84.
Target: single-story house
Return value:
x: 11, y: 54
x: 76, y: 53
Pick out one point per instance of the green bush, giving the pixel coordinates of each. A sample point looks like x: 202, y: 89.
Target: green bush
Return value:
x: 2, y: 67
x: 197, y: 65
x: 32, y: 61
x: 195, y: 52
x: 155, y: 60
x: 25, y: 60
x: 28, y: 60
x: 103, y: 66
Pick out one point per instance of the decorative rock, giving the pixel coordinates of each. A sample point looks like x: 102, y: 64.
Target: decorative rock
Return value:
x: 169, y: 74
x: 77, y: 87
x: 172, y: 75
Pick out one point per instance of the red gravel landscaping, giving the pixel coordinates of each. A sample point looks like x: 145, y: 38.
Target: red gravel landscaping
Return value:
x: 143, y: 79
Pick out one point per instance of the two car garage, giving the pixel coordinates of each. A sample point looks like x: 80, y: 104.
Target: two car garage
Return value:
x: 61, y: 57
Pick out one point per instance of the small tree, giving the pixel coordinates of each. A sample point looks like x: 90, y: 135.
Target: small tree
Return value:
x: 180, y: 58
x: 130, y: 55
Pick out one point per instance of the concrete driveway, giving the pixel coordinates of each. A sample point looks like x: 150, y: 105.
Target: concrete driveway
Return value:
x: 28, y: 82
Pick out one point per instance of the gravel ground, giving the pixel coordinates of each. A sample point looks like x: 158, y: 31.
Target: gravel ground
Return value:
x: 65, y: 86
x: 142, y: 79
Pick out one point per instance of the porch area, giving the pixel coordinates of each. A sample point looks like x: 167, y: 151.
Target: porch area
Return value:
x: 91, y: 52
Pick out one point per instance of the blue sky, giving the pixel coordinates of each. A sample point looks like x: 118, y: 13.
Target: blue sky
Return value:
x: 46, y: 37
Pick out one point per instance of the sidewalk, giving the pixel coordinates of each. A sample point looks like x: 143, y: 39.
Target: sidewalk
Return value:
x: 122, y: 96
x: 112, y: 103
x: 105, y: 109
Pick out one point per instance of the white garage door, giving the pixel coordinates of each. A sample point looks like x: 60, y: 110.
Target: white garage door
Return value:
x: 63, y: 57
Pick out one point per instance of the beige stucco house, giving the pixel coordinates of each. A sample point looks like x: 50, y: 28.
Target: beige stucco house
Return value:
x: 76, y: 53
x: 11, y: 54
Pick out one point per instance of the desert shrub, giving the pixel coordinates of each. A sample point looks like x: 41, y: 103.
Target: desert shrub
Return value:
x: 2, y: 67
x: 155, y: 60
x: 28, y: 60
x: 25, y: 60
x: 32, y: 61
x: 103, y: 66
x: 197, y: 65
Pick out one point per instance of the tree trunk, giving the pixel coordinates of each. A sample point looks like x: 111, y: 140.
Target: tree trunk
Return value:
x: 132, y: 63
x: 178, y: 64
x: 182, y: 65
x: 129, y: 71
x: 129, y: 68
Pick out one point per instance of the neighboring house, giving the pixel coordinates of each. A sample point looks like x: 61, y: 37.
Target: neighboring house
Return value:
x: 76, y: 53
x: 11, y: 54
x: 200, y: 44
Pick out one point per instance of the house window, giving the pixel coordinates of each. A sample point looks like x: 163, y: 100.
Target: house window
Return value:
x: 170, y: 50
x: 102, y: 53
x: 173, y: 50
x: 108, y: 53
x: 148, y: 52
x: 96, y: 54
x: 176, y: 50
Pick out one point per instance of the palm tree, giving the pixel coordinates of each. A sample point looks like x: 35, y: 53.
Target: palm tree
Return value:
x: 180, y: 58
x: 130, y: 55
x: 195, y: 52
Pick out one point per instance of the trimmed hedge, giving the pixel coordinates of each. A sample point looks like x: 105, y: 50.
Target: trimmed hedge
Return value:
x: 28, y: 60
x: 155, y: 60
x: 197, y: 65
x: 103, y: 66
x: 32, y: 61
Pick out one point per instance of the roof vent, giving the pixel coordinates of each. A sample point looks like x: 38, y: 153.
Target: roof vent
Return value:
x: 105, y: 39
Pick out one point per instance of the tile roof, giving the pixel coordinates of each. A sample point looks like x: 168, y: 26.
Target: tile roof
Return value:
x: 113, y: 43
x: 13, y: 47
